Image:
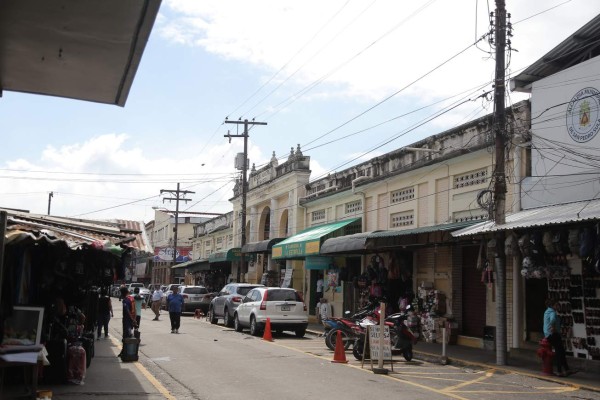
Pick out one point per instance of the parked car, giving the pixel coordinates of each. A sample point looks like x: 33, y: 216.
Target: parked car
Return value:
x: 166, y: 292
x: 195, y: 297
x: 283, y: 306
x: 227, y: 300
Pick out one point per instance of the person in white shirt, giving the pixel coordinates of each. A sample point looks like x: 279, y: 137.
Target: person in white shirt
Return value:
x: 156, y: 299
x: 320, y: 285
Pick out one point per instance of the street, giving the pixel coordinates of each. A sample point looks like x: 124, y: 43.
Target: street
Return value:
x: 207, y: 361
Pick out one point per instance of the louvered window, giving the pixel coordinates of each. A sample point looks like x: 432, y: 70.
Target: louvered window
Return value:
x: 318, y: 216
x: 353, y: 207
x: 471, y: 179
x: 401, y: 219
x: 398, y: 196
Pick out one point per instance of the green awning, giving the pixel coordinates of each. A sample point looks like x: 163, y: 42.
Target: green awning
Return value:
x: 308, y: 242
x: 233, y: 254
x: 194, y: 265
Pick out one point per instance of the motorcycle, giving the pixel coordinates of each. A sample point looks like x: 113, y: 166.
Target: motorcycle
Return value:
x: 348, y: 326
x: 401, y: 338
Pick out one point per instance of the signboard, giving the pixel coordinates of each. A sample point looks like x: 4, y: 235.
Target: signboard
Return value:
x: 287, y: 279
x: 375, y: 337
x: 166, y: 254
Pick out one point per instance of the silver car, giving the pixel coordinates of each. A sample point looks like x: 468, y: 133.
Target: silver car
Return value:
x: 227, y: 300
x: 195, y: 297
x: 283, y: 307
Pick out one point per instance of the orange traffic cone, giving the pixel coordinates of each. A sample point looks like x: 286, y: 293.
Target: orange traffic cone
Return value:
x: 267, y: 335
x: 340, y: 354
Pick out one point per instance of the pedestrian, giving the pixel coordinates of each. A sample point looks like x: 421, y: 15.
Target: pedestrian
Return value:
x: 175, y: 306
x: 139, y: 303
x: 129, y: 320
x: 320, y: 285
x: 552, y: 333
x: 156, y: 299
x: 105, y: 312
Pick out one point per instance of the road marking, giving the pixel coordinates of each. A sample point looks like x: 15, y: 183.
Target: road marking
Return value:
x: 487, y: 375
x: 148, y: 375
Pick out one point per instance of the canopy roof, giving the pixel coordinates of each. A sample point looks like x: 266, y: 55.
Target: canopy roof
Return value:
x: 84, y: 49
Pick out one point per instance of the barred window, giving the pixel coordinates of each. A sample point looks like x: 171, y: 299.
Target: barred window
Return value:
x: 471, y: 178
x: 398, y: 196
x: 353, y: 207
x: 207, y: 243
x: 219, y: 240
x: 318, y: 215
x: 470, y: 215
x: 405, y: 218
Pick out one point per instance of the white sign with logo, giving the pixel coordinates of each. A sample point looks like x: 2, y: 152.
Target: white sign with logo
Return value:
x: 583, y: 115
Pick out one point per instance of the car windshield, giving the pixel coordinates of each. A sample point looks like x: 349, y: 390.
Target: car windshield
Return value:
x: 244, y: 290
x: 195, y: 290
x: 282, y: 295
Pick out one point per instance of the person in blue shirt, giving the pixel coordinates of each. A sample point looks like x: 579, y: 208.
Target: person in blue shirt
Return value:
x: 552, y: 329
x: 175, y: 306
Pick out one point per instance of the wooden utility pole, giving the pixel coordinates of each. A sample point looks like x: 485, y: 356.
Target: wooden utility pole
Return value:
x: 179, y: 196
x: 499, y: 177
x: 50, y: 195
x: 244, y: 183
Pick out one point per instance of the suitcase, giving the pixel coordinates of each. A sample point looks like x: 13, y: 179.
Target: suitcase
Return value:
x: 76, y: 364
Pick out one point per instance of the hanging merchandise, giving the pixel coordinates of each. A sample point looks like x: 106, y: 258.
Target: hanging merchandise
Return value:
x: 510, y: 245
x: 487, y: 275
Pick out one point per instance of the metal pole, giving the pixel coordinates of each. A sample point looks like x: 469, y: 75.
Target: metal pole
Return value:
x: 3, y: 218
x: 50, y: 195
x: 244, y: 195
x: 175, y: 230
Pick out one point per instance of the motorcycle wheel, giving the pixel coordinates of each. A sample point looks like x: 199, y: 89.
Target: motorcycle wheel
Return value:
x: 331, y: 338
x: 357, y: 350
x: 408, y: 353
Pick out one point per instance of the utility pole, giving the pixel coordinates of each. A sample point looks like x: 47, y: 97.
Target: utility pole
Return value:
x: 500, y: 181
x: 179, y: 196
x: 50, y: 195
x: 244, y: 182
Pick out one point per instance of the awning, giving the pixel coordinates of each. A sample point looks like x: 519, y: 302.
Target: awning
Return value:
x: 423, y: 229
x: 308, y: 242
x: 357, y: 243
x: 263, y: 246
x: 194, y: 265
x: 56, y: 47
x: 233, y: 254
x: 581, y: 211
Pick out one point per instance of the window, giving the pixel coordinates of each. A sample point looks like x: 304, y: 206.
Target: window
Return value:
x: 401, y: 219
x: 470, y: 215
x: 282, y: 295
x: 318, y: 215
x: 219, y: 240
x: 398, y: 196
x: 471, y: 178
x: 353, y: 207
x: 195, y: 290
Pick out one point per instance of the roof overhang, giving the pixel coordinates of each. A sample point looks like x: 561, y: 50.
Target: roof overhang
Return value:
x: 571, y: 213
x: 264, y: 246
x: 85, y: 49
x: 580, y: 46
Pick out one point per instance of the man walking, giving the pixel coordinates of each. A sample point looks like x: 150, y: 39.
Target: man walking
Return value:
x: 156, y: 299
x: 175, y: 306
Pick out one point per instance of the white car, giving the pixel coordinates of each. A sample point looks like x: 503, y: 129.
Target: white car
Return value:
x: 284, y: 307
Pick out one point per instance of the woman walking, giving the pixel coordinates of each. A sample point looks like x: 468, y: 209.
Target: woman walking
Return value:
x: 552, y: 332
x: 105, y: 312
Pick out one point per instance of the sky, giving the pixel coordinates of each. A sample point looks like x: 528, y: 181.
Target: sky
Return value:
x: 345, y: 80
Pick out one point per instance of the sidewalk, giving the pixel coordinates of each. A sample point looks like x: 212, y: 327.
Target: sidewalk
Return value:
x: 106, y: 377
x: 480, y: 358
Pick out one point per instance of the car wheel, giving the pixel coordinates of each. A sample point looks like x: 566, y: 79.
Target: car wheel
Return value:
x: 236, y: 323
x: 254, y: 330
x: 300, y: 332
x: 211, y: 316
x: 227, y: 319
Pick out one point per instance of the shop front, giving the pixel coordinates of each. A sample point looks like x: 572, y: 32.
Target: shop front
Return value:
x: 192, y: 271
x: 556, y: 253
x: 261, y: 267
x: 225, y: 266
x: 302, y: 254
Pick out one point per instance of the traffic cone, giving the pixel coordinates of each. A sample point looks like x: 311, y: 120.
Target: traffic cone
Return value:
x: 340, y: 354
x: 267, y: 335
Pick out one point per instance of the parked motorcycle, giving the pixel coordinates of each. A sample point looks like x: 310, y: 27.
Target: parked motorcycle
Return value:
x: 401, y: 337
x: 348, y: 326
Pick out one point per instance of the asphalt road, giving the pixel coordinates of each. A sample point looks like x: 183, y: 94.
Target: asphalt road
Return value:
x: 207, y: 361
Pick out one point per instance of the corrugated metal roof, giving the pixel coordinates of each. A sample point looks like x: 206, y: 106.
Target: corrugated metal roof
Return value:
x: 423, y: 229
x: 580, y: 211
x: 580, y: 46
x: 137, y: 229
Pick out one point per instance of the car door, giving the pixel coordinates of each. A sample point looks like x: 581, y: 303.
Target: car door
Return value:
x: 220, y: 300
x: 243, y: 310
